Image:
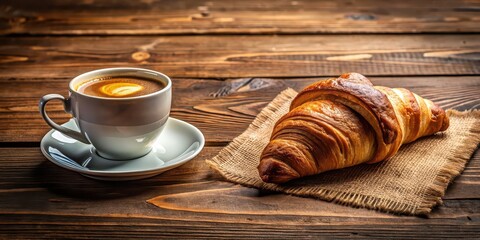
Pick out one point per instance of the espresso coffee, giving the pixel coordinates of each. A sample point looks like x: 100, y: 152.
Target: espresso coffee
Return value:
x: 119, y: 87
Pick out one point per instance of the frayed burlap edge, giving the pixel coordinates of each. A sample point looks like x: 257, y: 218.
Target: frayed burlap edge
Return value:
x: 434, y: 193
x: 457, y: 162
x: 226, y: 152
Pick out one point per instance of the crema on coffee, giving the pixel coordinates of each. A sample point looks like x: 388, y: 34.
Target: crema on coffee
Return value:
x: 119, y: 87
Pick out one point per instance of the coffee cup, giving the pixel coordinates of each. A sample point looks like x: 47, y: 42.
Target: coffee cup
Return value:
x: 119, y: 111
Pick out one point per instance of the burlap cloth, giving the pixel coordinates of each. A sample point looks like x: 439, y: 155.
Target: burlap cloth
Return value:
x: 412, y: 182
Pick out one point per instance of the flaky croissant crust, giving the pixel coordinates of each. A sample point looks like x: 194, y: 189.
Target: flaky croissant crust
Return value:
x: 342, y: 122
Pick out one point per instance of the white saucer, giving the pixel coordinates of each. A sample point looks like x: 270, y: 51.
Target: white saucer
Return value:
x: 178, y: 143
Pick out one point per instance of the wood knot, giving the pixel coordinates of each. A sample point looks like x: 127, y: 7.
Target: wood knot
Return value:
x: 243, y: 85
x: 140, y: 56
x: 204, y: 13
x: 17, y: 20
x: 360, y: 16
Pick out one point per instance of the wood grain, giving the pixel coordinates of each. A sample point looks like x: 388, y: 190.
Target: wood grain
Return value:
x: 244, y: 56
x: 100, y: 17
x: 221, y: 109
x: 192, y: 201
x: 228, y: 59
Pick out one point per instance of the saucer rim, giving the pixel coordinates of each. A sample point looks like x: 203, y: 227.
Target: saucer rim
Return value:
x: 118, y: 174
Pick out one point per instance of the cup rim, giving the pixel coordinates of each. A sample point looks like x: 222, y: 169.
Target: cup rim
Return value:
x: 165, y: 89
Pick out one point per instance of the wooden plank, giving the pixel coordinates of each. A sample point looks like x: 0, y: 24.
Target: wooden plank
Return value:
x: 467, y: 185
x: 46, y: 226
x: 238, y: 17
x: 192, y: 201
x: 26, y: 170
x: 244, y: 56
x: 221, y: 109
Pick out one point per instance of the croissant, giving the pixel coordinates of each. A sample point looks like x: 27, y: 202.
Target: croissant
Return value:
x: 338, y: 123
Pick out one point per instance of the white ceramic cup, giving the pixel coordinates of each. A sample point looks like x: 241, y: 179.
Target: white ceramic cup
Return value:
x: 118, y: 128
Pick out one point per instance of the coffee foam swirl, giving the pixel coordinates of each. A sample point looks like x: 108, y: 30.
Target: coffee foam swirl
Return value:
x: 121, y: 89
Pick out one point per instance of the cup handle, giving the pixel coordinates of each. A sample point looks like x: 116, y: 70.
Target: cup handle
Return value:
x: 66, y: 104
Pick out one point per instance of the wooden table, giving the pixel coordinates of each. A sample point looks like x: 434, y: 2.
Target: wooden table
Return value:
x: 228, y: 59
